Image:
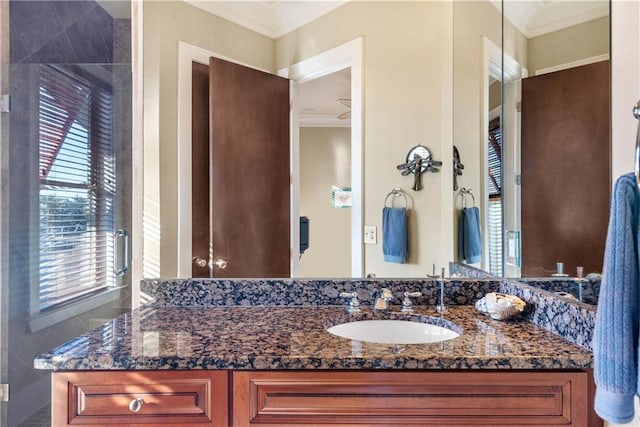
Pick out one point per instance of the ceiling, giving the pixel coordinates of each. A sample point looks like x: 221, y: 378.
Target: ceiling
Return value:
x: 272, y: 18
x: 537, y: 17
x: 318, y: 98
x: 275, y: 18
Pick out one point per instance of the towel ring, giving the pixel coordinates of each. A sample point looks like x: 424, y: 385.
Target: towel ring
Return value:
x: 395, y: 193
x: 463, y: 192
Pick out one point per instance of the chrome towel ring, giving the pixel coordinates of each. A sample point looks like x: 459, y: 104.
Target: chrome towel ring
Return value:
x: 463, y: 193
x: 396, y: 192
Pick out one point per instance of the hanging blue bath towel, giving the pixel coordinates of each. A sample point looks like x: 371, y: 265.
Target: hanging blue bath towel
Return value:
x: 469, y: 236
x: 395, y: 237
x: 615, y: 337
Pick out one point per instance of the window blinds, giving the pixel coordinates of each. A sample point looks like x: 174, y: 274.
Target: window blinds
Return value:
x: 77, y: 187
x: 494, y: 210
x: 495, y: 158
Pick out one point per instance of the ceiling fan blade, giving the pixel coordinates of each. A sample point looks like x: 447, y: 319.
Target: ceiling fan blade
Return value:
x: 345, y: 116
x: 344, y: 101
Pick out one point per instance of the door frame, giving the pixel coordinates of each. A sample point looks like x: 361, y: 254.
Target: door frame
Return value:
x: 492, y: 60
x: 347, y: 55
x: 500, y: 65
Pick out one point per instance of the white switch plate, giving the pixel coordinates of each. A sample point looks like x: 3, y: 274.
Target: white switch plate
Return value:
x: 370, y: 235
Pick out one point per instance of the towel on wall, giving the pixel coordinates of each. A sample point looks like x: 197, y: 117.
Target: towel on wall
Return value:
x: 469, y: 237
x: 395, y: 236
x: 615, y: 342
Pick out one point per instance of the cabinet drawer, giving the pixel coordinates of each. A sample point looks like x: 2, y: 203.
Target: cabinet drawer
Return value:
x: 410, y: 398
x: 140, y: 398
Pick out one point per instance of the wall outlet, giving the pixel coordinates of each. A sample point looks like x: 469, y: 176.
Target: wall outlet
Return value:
x: 370, y: 235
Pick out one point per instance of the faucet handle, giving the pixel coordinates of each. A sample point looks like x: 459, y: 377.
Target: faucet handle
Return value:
x: 407, y: 304
x: 385, y: 294
x: 354, y: 304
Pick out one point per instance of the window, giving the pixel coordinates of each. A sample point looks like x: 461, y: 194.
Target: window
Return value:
x: 76, y: 187
x: 494, y: 210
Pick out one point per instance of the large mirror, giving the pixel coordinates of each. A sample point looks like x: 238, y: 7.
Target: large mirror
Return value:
x: 430, y: 74
x: 543, y: 193
x: 404, y: 79
x: 557, y: 124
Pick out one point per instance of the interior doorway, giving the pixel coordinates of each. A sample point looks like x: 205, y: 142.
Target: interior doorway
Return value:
x: 325, y: 175
x: 345, y: 56
x: 348, y: 55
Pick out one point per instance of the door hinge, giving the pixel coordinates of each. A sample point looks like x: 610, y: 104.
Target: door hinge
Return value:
x: 4, y: 392
x: 519, y: 107
x: 5, y: 103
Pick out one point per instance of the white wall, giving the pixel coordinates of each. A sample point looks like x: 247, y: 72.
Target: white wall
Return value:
x: 625, y: 83
x: 571, y: 44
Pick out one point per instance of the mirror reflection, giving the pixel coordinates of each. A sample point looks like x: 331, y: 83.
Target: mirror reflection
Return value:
x: 403, y: 97
x: 556, y: 216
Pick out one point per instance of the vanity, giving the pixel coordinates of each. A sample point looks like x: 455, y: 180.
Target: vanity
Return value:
x: 257, y: 353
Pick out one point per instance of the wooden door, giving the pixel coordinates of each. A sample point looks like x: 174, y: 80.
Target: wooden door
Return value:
x: 565, y: 169
x: 249, y: 184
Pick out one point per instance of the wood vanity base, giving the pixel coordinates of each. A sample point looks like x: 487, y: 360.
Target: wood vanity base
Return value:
x: 322, y: 398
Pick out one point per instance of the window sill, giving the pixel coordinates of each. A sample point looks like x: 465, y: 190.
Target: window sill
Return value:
x: 44, y: 320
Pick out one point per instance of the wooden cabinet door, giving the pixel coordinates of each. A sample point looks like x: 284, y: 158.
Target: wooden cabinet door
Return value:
x: 435, y: 398
x: 140, y: 398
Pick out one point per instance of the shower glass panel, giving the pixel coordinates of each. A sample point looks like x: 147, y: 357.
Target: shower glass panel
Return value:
x: 66, y: 184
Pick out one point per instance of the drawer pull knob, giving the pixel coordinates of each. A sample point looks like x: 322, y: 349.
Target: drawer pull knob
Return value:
x: 136, y: 404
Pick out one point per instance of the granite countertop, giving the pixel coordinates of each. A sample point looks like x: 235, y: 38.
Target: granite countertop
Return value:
x: 295, y: 338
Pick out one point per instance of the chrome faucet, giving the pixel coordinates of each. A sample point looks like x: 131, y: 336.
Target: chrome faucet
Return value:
x: 407, y: 304
x: 353, y: 305
x: 442, y: 307
x: 382, y: 300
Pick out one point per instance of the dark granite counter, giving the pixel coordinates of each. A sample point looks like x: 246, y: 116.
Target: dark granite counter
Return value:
x: 253, y: 337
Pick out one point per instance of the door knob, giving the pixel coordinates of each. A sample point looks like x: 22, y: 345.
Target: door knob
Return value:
x: 200, y: 262
x: 220, y: 263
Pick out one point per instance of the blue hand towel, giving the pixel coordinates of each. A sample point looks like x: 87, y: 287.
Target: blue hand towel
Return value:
x: 615, y: 341
x: 469, y: 237
x: 395, y: 238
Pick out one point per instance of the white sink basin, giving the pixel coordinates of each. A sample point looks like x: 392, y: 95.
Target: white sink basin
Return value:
x: 392, y: 332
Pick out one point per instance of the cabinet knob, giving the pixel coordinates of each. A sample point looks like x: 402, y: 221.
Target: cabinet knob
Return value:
x: 136, y: 404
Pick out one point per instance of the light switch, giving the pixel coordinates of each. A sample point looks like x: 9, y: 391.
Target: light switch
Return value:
x: 370, y: 235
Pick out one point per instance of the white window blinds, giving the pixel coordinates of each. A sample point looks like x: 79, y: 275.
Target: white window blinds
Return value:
x: 77, y: 187
x: 494, y: 156
x: 494, y: 210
